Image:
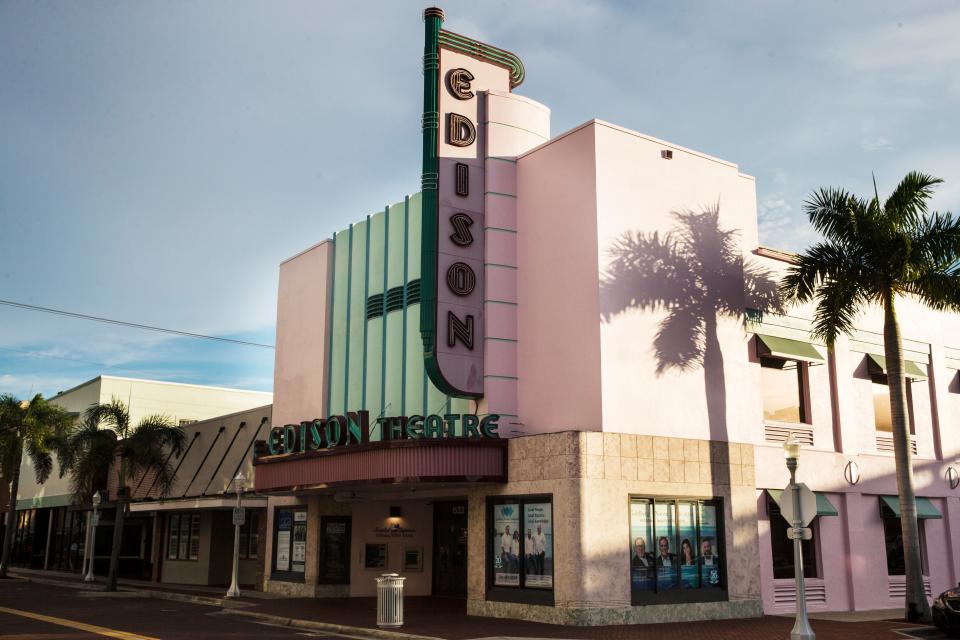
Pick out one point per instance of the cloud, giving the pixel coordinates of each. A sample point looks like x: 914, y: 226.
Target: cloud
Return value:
x: 780, y: 226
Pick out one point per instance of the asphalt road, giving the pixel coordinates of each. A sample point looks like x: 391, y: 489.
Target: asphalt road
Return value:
x: 43, y: 612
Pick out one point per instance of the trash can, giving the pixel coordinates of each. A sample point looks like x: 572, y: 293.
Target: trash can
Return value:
x: 390, y: 600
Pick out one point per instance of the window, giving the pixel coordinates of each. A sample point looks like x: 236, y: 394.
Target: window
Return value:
x: 520, y: 556
x: 289, y: 543
x: 893, y: 541
x: 250, y: 535
x: 882, y: 419
x: 676, y: 550
x: 781, y: 382
x: 183, y: 539
x: 782, y: 547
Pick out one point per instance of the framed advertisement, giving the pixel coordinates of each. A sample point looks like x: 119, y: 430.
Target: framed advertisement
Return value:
x: 687, y: 535
x: 520, y: 549
x: 289, y: 543
x: 375, y: 556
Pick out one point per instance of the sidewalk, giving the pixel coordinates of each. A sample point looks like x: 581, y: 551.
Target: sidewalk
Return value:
x: 434, y: 617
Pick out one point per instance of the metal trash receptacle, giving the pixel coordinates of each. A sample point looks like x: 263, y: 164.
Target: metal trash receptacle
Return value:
x: 390, y: 600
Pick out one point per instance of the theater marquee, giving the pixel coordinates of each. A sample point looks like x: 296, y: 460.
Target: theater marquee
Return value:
x: 457, y: 72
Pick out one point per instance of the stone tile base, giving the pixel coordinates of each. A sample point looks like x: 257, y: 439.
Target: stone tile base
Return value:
x: 603, y: 616
x: 289, y: 589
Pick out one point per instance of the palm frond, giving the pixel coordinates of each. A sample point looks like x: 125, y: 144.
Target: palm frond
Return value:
x: 822, y: 262
x: 114, y: 414
x: 834, y: 213
x: 838, y: 303
x: 936, y: 242
x: 40, y: 458
x: 939, y: 290
x: 908, y: 202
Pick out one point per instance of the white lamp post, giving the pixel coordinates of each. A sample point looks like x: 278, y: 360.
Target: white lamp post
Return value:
x: 91, y: 552
x: 238, y: 520
x: 801, y: 628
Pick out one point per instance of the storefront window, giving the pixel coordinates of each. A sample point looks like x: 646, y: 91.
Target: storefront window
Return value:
x: 250, y: 535
x: 183, y: 538
x: 882, y: 419
x: 335, y: 550
x: 782, y: 547
x: 521, y: 544
x: 893, y: 541
x: 674, y: 550
x: 781, y: 382
x: 289, y: 543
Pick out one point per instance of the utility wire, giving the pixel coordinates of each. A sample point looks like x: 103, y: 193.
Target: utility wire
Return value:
x: 70, y: 314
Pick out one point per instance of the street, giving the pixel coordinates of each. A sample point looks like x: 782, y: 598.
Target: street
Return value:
x: 37, y: 611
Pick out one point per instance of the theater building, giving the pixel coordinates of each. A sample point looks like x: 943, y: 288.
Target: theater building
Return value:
x: 555, y: 382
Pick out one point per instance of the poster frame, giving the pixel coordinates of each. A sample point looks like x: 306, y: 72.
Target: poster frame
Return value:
x: 284, y: 576
x: 520, y: 593
x: 679, y: 596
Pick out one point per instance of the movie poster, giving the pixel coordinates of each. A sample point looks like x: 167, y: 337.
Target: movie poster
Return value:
x: 709, y: 546
x: 642, y: 563
x: 299, y: 551
x: 689, y: 547
x: 506, y: 545
x: 538, y: 545
x: 667, y: 574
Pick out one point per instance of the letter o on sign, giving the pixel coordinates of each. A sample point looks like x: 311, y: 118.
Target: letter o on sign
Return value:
x: 461, y: 279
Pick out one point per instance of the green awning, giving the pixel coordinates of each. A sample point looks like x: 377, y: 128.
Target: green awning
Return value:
x: 824, y: 506
x: 787, y: 349
x: 878, y: 365
x: 925, y: 508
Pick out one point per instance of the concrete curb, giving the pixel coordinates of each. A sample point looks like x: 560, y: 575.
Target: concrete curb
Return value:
x: 96, y: 588
x: 361, y: 632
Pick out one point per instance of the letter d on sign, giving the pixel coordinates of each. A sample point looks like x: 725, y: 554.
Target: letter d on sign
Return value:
x: 460, y: 131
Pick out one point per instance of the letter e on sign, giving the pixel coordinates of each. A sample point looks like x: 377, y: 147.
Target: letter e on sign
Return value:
x: 458, y: 81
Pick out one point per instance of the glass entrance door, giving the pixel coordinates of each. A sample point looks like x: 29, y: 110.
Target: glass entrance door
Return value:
x: 450, y: 548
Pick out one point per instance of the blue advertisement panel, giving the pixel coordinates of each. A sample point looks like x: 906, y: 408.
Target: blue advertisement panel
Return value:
x: 666, y: 527
x: 709, y: 546
x: 642, y: 562
x: 506, y: 545
x: 689, y: 570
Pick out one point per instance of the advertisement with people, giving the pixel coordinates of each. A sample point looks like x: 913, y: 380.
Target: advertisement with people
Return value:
x: 689, y: 571
x: 709, y: 549
x: 506, y: 545
x: 666, y: 546
x: 538, y: 545
x: 642, y: 562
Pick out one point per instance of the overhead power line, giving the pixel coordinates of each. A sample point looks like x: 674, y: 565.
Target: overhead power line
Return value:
x: 134, y: 325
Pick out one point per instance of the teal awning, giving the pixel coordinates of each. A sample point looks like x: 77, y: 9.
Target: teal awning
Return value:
x: 787, y: 349
x: 878, y: 365
x: 925, y: 508
x: 824, y: 506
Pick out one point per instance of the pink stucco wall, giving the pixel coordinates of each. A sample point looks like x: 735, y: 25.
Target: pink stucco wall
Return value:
x: 303, y: 306
x: 558, y: 312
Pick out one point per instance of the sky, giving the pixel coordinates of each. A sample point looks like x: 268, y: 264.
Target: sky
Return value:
x: 158, y: 160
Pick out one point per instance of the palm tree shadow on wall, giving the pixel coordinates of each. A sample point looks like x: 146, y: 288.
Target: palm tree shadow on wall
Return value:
x: 696, y: 274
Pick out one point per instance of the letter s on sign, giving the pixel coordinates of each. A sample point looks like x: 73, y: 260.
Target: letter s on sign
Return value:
x: 461, y: 224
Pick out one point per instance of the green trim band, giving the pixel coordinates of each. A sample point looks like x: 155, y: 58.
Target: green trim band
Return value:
x: 525, y: 130
x: 502, y: 266
x: 501, y: 377
x: 512, y: 304
x: 500, y: 229
x: 485, y: 52
x: 500, y: 339
x: 499, y: 193
x: 510, y: 160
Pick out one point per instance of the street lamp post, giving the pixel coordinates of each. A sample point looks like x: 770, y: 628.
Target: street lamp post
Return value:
x: 238, y: 520
x: 801, y: 628
x: 91, y: 553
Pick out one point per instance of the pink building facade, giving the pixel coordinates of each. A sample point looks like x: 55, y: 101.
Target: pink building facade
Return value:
x: 639, y: 376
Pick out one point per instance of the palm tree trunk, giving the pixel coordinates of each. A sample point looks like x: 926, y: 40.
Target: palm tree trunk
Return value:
x: 11, y: 516
x: 117, y: 540
x: 916, y: 607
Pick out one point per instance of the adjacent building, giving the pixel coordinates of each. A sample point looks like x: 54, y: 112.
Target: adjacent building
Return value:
x: 51, y: 528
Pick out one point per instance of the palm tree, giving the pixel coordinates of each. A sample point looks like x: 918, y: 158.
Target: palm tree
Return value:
x: 874, y: 251
x: 106, y: 437
x: 34, y: 427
